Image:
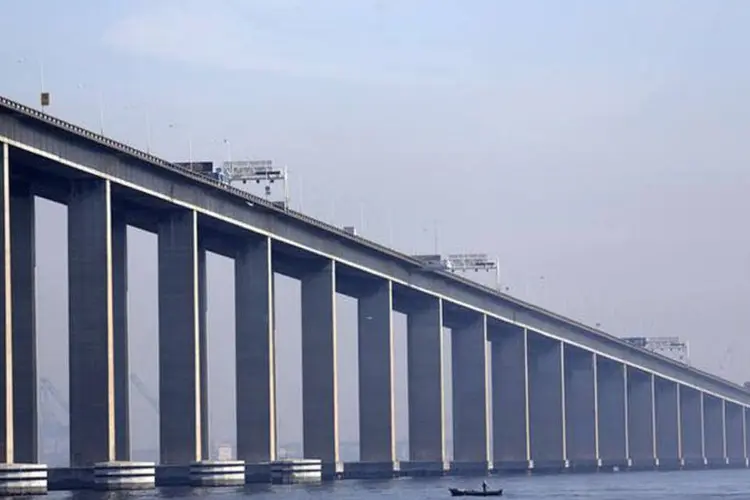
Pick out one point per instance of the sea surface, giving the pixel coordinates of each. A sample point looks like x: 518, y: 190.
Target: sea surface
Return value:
x: 734, y: 484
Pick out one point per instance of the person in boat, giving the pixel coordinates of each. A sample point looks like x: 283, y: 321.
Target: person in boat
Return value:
x: 484, y: 486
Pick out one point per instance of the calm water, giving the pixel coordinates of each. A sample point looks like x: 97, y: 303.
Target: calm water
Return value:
x: 733, y: 484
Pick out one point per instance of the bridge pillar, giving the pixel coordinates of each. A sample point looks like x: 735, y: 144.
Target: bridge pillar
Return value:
x: 746, y: 432
x: 22, y: 250
x: 179, y: 340
x: 691, y: 427
x: 546, y: 402
x: 120, y: 336
x: 611, y: 379
x: 377, y: 438
x: 15, y: 478
x: 6, y: 373
x: 581, y: 436
x: 319, y: 390
x: 91, y: 353
x: 471, y: 445
x: 667, y: 403
x: 510, y: 408
x: 203, y: 349
x: 254, y: 340
x: 641, y: 418
x: 735, y: 435
x: 713, y: 421
x: 425, y: 385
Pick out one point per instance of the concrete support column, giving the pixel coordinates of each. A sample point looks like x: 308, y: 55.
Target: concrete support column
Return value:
x: 580, y: 408
x: 179, y: 345
x: 6, y: 338
x: 746, y: 432
x: 319, y: 388
x: 254, y: 340
x: 713, y: 421
x: 425, y: 384
x: 667, y: 423
x: 91, y: 355
x: 691, y: 427
x: 611, y: 379
x: 510, y: 408
x: 22, y: 250
x: 471, y: 443
x: 120, y: 336
x: 203, y: 348
x: 546, y: 402
x: 641, y: 418
x: 735, y: 434
x: 377, y: 435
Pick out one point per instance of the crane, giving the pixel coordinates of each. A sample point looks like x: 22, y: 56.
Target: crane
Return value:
x: 57, y: 427
x: 143, y: 391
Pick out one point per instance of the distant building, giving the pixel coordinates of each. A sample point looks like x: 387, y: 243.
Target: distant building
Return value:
x: 224, y: 452
x: 671, y: 347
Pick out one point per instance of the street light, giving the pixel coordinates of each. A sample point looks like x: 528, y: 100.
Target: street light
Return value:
x: 83, y: 86
x: 44, y: 97
x: 175, y: 126
x: 148, y: 124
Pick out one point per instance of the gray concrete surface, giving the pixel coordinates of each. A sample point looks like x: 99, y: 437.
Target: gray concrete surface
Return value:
x: 580, y: 407
x: 691, y: 425
x: 612, y: 401
x: 377, y: 436
x: 23, y: 300
x: 179, y: 358
x: 120, y: 336
x: 546, y: 399
x: 424, y: 332
x: 667, y: 415
x: 641, y: 418
x: 91, y: 354
x: 509, y: 395
x: 469, y: 352
x: 254, y: 345
x: 319, y: 397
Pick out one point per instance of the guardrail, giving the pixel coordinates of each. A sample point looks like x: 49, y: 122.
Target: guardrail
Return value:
x: 339, y: 232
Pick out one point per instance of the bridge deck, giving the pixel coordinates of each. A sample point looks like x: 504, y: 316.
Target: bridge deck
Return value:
x: 228, y: 209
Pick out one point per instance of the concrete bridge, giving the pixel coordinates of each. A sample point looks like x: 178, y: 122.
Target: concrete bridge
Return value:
x: 563, y: 395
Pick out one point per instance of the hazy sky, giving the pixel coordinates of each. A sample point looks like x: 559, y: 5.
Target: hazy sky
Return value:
x: 599, y: 149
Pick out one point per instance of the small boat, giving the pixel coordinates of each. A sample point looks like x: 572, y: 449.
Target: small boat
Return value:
x: 457, y: 492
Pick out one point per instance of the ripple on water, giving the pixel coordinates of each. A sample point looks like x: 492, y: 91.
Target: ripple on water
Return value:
x: 687, y: 485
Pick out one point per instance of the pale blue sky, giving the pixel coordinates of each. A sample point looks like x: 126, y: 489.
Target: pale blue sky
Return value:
x: 602, y: 145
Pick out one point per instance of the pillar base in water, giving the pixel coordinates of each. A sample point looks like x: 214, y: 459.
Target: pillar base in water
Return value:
x: 549, y: 465
x: 217, y: 473
x: 669, y: 464
x: 258, y: 472
x: 694, y: 463
x: 423, y: 468
x: 470, y: 468
x: 23, y: 479
x: 332, y: 470
x: 370, y: 470
x: 717, y: 463
x: 584, y: 464
x: 124, y: 475
x: 511, y: 466
x: 643, y: 463
x: 614, y: 464
x: 296, y: 470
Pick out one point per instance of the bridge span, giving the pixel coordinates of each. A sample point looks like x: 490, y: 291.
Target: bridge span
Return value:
x: 564, y: 395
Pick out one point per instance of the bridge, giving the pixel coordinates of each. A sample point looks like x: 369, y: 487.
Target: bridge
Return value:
x: 563, y: 395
